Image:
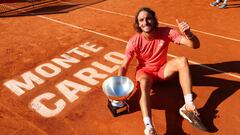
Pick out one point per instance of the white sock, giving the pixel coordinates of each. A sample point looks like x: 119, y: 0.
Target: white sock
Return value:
x: 147, y: 121
x: 188, y: 98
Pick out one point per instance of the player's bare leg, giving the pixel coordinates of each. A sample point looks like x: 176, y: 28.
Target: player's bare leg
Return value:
x: 188, y: 111
x: 145, y: 105
x: 180, y: 65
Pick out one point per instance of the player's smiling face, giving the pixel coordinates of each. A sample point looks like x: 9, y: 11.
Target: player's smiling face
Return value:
x: 145, y: 21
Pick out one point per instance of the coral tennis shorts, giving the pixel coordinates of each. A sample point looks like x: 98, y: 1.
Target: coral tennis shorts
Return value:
x: 154, y: 73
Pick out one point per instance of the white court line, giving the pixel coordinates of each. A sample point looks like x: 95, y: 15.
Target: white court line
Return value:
x: 168, y: 24
x: 118, y: 39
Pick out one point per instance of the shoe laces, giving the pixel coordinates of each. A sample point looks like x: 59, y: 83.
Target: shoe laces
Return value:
x: 149, y: 131
x: 192, y: 109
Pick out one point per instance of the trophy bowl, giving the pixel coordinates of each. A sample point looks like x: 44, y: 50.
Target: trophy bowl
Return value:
x: 118, y: 87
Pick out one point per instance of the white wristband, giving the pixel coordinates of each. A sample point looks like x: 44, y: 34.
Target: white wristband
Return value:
x: 188, y: 98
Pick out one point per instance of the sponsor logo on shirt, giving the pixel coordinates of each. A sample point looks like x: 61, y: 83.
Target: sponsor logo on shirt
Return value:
x: 161, y: 42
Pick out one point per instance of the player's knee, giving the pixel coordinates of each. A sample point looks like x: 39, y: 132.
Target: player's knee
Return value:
x: 182, y: 62
x: 145, y: 84
x: 145, y: 80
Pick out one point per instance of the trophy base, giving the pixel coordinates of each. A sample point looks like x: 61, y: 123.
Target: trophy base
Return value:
x: 116, y: 111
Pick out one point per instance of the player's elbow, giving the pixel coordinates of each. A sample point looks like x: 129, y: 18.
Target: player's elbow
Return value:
x: 196, y: 46
x: 194, y: 43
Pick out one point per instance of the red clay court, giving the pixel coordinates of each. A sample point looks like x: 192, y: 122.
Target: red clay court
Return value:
x: 55, y: 55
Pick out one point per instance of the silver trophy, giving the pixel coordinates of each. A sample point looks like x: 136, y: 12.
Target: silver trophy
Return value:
x: 118, y: 89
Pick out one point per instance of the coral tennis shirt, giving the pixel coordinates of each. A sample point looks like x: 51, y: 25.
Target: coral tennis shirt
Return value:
x: 152, y: 54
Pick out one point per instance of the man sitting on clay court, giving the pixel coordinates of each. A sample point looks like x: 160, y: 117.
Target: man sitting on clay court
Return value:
x: 149, y: 45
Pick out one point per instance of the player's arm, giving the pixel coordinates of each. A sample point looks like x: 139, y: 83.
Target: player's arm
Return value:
x: 124, y: 66
x: 188, y: 38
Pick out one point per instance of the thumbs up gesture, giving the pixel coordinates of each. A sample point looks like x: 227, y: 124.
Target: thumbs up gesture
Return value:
x: 184, y: 28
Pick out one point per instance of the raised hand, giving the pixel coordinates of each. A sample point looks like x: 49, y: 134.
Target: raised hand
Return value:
x: 184, y: 28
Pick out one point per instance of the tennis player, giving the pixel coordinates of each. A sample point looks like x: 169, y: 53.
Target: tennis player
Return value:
x: 150, y: 45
